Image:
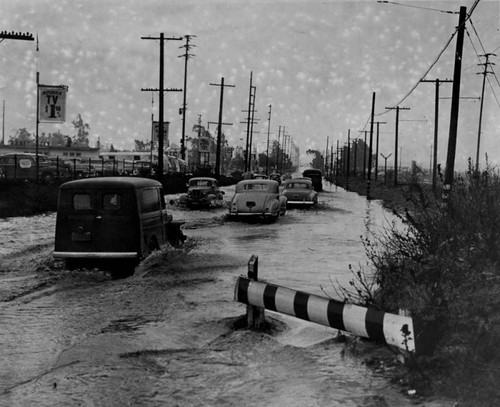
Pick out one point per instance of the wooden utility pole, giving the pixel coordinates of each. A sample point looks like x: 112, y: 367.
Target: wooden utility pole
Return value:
x: 161, y: 90
x: 326, y: 155
x: 370, y: 148
x: 484, y: 73
x: 436, y: 121
x: 455, y: 99
x: 268, y: 133
x: 364, y: 153
x: 396, y: 141
x: 355, y: 157
x: 219, y: 126
x: 186, y: 56
x: 249, y: 122
x: 277, y: 150
x: 348, y: 158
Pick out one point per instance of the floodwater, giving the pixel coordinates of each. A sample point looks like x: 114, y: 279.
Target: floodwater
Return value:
x: 167, y: 336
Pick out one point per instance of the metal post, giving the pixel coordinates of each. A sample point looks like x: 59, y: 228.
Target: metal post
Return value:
x: 255, y: 315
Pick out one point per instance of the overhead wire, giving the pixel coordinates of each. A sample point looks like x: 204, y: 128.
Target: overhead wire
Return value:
x: 480, y: 63
x: 468, y: 16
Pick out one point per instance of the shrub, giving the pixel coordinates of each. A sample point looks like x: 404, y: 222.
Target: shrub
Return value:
x: 442, y: 264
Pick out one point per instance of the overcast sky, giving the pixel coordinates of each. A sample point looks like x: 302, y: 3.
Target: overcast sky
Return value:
x: 316, y: 62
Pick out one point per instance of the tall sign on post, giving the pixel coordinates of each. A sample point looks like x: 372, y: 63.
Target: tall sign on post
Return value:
x: 52, y: 103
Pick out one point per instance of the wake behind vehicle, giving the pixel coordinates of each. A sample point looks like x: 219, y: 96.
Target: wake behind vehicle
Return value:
x: 202, y: 192
x: 112, y: 222
x: 300, y: 192
x: 257, y: 199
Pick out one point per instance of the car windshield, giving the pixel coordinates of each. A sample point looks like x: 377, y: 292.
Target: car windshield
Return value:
x: 201, y: 183
x: 297, y: 185
x: 256, y: 187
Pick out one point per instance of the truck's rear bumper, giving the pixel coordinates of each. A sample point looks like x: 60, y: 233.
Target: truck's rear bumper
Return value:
x: 96, y: 255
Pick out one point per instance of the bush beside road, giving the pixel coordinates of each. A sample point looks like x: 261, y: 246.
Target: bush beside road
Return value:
x: 444, y: 269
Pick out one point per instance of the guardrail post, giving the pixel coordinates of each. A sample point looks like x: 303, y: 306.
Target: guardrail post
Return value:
x: 255, y: 315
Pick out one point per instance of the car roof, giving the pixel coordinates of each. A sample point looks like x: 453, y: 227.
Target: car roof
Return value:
x: 312, y: 171
x: 202, y: 178
x: 303, y: 180
x: 111, y: 182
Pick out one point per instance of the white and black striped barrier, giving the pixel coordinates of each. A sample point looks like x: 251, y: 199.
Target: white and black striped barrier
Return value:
x: 381, y: 326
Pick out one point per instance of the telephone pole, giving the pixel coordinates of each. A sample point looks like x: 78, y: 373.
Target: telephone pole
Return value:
x: 186, y: 56
x: 249, y: 123
x: 455, y: 99
x: 484, y: 73
x: 436, y: 121
x: 268, y: 132
x: 161, y: 90
x: 348, y: 159
x: 370, y: 148
x: 219, y: 126
x: 397, y: 108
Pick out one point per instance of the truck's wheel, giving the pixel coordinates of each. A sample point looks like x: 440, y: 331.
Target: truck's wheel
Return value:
x: 122, y: 269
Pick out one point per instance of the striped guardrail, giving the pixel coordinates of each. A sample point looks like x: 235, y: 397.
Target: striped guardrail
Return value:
x: 381, y: 326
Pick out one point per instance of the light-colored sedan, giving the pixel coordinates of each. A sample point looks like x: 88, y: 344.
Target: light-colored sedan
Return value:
x: 257, y: 198
x: 300, y: 192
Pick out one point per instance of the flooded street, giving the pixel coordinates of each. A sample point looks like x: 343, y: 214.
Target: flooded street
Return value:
x: 168, y: 335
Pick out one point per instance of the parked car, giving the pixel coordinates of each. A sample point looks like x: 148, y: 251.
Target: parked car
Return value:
x: 202, y: 192
x: 300, y: 192
x: 257, y: 198
x: 23, y: 166
x: 112, y: 222
x: 316, y: 177
x: 260, y: 176
x: 80, y: 168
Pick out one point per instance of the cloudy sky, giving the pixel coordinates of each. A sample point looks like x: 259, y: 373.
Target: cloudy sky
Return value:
x: 316, y: 62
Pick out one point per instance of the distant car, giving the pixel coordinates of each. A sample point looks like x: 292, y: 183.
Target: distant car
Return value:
x: 202, y: 191
x: 80, y: 168
x: 300, y: 192
x: 23, y: 166
x: 259, y: 199
x: 260, y: 176
x: 316, y: 177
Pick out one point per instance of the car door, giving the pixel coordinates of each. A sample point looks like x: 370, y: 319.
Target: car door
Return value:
x: 116, y: 221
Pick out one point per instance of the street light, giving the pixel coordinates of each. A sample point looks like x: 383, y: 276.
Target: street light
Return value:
x: 385, y: 166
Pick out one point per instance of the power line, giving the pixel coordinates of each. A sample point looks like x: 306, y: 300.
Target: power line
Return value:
x: 420, y: 7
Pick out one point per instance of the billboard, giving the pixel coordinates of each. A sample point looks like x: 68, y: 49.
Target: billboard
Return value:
x: 52, y: 103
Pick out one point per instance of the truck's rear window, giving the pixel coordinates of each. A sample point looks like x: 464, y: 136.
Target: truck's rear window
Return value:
x: 111, y: 202
x: 82, y: 202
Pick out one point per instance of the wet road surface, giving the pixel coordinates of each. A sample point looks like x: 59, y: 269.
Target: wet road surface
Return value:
x: 168, y: 336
